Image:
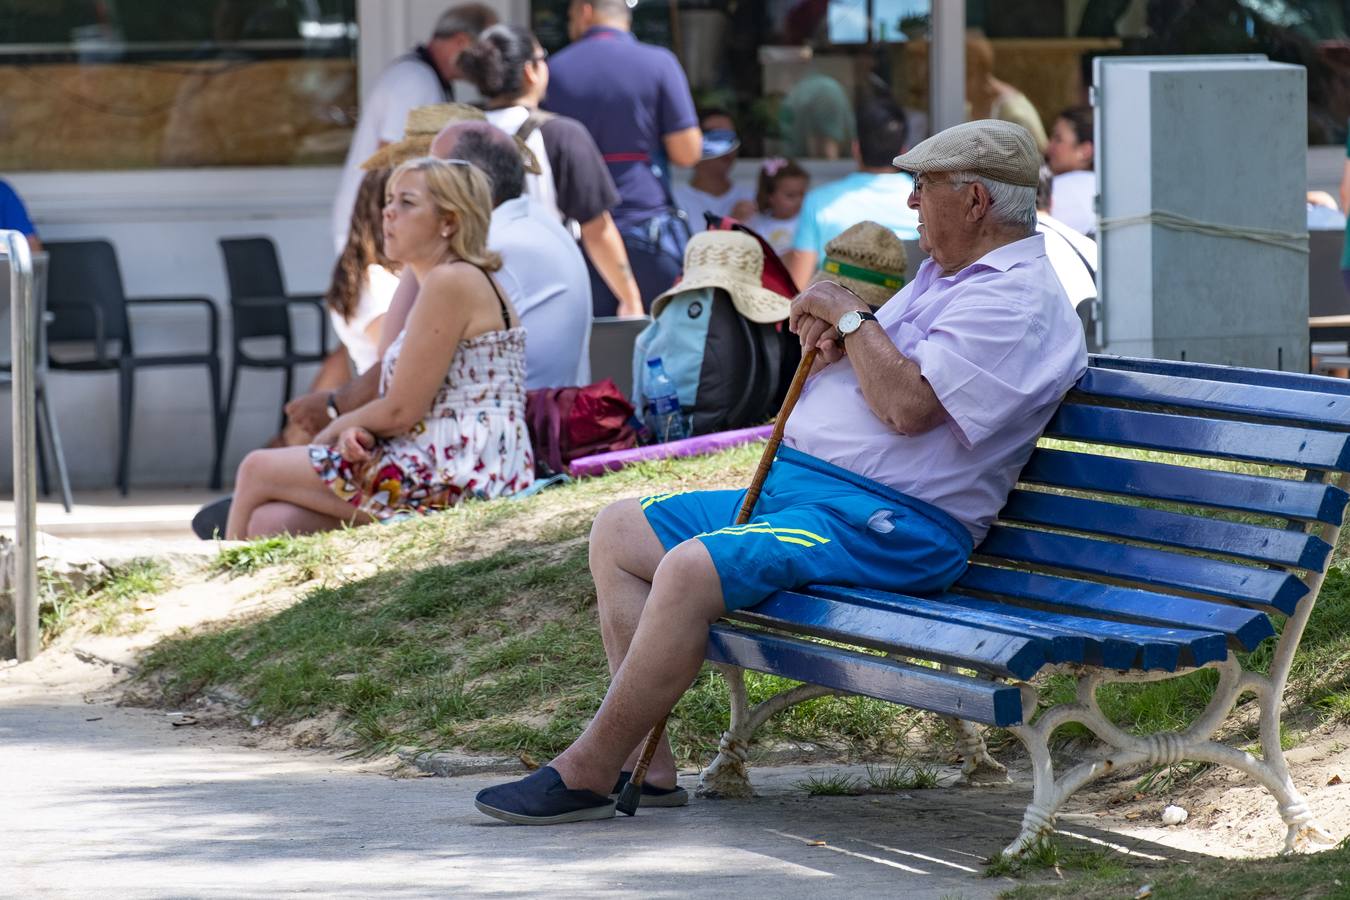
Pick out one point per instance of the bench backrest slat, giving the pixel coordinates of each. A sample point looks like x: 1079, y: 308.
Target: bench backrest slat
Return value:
x: 1245, y: 628
x: 1277, y: 546
x: 1141, y: 565
x: 1183, y: 484
x: 1247, y: 400
x: 1293, y: 381
x: 1269, y: 444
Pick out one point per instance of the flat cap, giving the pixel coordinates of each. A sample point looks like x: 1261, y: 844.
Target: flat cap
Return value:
x: 998, y: 150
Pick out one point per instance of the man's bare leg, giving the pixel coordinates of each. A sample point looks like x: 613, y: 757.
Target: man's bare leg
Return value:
x: 665, y: 653
x: 624, y: 555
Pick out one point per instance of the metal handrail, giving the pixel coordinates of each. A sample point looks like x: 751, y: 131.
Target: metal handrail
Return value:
x: 22, y: 359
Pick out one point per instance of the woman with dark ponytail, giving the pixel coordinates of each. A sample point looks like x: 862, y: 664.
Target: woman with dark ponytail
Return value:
x: 509, y: 68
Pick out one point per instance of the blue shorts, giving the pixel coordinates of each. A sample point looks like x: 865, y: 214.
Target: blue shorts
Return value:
x: 815, y: 523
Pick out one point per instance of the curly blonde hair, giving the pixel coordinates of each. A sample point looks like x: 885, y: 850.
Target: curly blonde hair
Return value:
x: 458, y: 189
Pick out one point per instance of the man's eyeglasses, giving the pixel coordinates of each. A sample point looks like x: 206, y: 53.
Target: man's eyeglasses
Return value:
x: 921, y: 182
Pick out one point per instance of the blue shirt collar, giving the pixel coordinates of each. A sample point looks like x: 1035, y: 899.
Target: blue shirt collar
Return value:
x: 607, y: 31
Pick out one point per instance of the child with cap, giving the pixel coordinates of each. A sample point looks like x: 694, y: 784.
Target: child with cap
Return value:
x: 710, y: 188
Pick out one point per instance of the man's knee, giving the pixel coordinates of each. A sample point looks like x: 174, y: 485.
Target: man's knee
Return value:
x: 689, y: 579
x: 621, y: 536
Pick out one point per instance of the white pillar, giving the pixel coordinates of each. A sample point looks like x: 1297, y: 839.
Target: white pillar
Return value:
x: 947, y: 65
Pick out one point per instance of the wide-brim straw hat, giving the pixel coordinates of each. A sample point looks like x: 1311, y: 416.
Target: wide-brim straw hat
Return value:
x: 868, y: 259
x: 422, y: 126
x: 733, y: 262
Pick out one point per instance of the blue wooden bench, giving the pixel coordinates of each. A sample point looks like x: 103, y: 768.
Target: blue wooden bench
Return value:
x: 1112, y: 569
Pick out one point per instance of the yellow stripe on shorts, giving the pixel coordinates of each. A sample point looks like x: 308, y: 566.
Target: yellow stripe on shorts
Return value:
x: 657, y: 498
x: 781, y: 534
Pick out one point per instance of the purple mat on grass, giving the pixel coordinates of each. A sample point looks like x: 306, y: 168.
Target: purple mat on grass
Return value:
x: 615, y: 460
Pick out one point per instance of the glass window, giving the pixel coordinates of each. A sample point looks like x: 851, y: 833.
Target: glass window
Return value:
x: 791, y: 72
x: 133, y: 84
x: 1045, y: 48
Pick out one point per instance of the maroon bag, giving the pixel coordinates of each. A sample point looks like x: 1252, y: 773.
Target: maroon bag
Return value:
x: 571, y: 422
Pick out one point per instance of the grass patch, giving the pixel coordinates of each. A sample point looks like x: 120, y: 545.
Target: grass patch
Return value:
x: 498, y: 655
x: 1318, y: 875
x: 108, y: 607
x: 833, y: 784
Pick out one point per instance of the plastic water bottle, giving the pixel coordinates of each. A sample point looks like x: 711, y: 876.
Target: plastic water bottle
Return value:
x: 661, y: 412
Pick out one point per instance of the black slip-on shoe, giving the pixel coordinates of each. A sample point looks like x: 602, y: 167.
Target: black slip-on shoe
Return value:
x: 541, y: 798
x: 209, y: 522
x: 651, y: 795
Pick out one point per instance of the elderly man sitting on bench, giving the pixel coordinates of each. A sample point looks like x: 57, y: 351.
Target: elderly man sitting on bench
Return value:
x: 905, y: 444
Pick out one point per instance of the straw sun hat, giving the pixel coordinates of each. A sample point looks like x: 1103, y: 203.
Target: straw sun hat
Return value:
x: 733, y: 262
x: 422, y: 126
x: 868, y: 259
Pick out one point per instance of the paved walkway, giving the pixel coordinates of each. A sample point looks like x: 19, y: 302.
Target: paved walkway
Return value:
x: 107, y: 801
x: 144, y: 513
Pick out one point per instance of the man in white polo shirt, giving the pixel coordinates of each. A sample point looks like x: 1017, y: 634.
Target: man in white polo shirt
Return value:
x: 903, y: 447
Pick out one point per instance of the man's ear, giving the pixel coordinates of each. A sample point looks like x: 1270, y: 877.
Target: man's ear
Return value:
x: 980, y: 202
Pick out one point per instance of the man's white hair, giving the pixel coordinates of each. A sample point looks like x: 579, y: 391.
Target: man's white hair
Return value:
x: 1010, y: 204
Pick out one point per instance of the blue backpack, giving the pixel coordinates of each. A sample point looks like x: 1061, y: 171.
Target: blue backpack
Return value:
x: 729, y: 372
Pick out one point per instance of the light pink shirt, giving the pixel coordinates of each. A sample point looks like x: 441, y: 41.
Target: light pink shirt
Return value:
x: 999, y: 343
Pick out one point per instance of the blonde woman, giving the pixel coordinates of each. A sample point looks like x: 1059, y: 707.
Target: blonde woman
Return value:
x: 449, y: 422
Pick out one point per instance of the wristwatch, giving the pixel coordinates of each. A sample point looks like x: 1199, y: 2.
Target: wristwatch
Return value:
x: 332, y: 406
x: 851, y: 321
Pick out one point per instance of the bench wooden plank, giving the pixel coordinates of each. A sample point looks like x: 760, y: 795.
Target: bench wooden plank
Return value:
x: 1230, y: 581
x: 1294, y: 381
x: 1154, y: 648
x: 924, y: 637
x: 1279, y: 546
x: 871, y: 676
x: 1269, y: 444
x: 1281, y: 497
x: 1065, y: 645
x: 1258, y: 401
x: 1245, y: 628
x: 1109, y: 644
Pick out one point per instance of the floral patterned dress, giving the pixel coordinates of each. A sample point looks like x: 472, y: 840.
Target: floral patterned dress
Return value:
x: 472, y: 443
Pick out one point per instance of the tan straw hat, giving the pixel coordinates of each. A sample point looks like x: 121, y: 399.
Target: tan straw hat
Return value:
x: 420, y: 129
x: 998, y: 150
x: 733, y: 262
x: 868, y: 259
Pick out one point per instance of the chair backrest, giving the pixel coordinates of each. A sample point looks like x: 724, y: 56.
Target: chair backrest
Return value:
x: 1327, y: 295
x: 83, y: 276
x: 39, y: 320
x: 612, y: 340
x: 253, y: 271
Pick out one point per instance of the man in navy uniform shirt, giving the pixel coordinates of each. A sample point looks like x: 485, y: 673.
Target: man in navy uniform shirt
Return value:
x: 635, y: 101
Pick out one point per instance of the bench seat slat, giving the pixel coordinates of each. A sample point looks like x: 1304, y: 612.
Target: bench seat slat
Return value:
x: 1109, y: 644
x: 1064, y: 645
x: 1230, y: 581
x: 1261, y: 401
x: 894, y: 630
x: 1244, y: 628
x: 1268, y: 545
x: 1184, y: 484
x: 1270, y: 444
x: 873, y: 676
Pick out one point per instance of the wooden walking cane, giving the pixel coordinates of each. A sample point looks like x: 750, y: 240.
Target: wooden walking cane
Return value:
x: 631, y: 795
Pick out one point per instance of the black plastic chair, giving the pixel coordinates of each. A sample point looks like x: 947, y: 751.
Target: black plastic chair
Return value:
x: 260, y: 308
x: 86, y: 298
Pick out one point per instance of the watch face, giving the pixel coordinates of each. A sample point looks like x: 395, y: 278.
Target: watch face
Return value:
x: 849, y: 322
